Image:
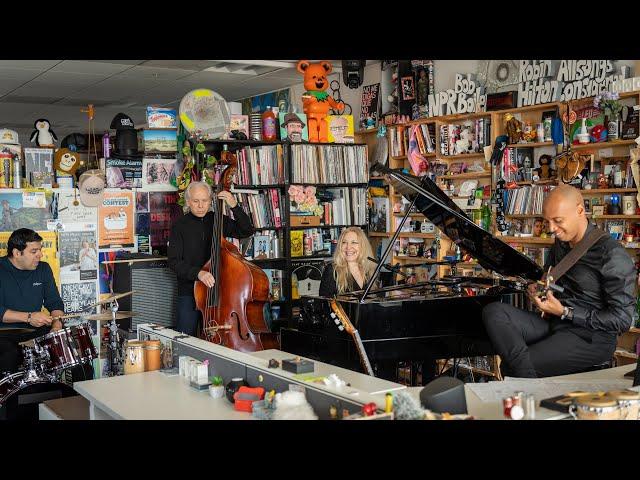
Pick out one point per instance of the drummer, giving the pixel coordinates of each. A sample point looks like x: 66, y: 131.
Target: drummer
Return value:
x: 26, y: 285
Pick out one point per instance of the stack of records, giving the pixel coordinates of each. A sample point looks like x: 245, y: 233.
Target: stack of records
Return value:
x: 255, y: 127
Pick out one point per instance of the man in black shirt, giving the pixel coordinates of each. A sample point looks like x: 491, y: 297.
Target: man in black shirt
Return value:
x: 580, y: 325
x: 26, y: 284
x: 190, y: 247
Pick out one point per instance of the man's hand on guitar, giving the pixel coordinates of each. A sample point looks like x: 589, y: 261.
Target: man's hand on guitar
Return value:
x: 206, y: 278
x: 550, y: 305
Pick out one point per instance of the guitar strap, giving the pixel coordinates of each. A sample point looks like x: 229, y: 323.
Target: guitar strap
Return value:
x: 576, y: 253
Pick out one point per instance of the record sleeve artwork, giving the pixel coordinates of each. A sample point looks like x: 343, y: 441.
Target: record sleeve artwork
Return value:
x: 205, y: 113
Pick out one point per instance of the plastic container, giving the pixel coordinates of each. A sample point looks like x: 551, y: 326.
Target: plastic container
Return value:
x: 269, y: 132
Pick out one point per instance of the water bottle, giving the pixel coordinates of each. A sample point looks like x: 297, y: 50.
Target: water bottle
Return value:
x: 16, y: 172
x: 106, y: 145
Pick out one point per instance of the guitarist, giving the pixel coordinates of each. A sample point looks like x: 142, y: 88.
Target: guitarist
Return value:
x: 579, y: 326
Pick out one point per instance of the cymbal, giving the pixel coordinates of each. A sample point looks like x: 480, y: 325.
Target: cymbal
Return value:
x: 111, y: 298
x: 108, y: 315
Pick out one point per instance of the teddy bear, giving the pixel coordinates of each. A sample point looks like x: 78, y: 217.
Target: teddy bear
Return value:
x: 545, y: 171
x: 316, y: 102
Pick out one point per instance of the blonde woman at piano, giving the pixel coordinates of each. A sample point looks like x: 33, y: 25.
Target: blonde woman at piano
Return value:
x: 350, y: 269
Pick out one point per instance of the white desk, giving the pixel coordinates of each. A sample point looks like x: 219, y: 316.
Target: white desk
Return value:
x: 493, y: 410
x: 153, y: 396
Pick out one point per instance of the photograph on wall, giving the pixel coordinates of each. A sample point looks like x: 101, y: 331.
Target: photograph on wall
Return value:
x: 115, y: 220
x: 123, y: 173
x: 159, y: 174
x: 163, y: 212
x: 340, y: 128
x: 293, y: 127
x: 160, y: 141
x: 78, y: 253
x: 408, y: 90
x: 239, y: 123
x: 25, y: 210
x: 67, y: 212
x: 142, y: 202
x: 370, y: 102
x: 77, y: 297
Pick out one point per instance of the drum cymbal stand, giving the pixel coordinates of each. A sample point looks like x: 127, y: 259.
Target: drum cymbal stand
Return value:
x: 33, y: 368
x: 114, y: 350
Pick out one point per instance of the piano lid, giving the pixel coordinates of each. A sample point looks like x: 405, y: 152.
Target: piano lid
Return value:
x: 492, y: 253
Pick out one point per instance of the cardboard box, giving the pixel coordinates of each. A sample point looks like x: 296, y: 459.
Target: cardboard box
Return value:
x: 305, y: 221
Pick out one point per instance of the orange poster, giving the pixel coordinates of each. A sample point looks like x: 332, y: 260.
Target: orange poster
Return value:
x: 115, y: 220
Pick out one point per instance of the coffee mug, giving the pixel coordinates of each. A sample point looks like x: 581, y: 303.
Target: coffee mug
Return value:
x: 629, y: 205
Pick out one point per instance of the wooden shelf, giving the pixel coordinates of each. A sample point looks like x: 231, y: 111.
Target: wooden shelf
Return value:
x: 417, y: 235
x: 466, y: 176
x: 533, y: 240
x: 331, y: 185
x: 380, y: 234
x: 612, y: 217
x: 376, y: 178
x: 531, y: 144
x: 609, y: 190
x: 539, y: 182
x: 599, y: 145
x: 415, y: 259
x: 634, y: 330
x: 461, y: 156
x: 401, y: 157
x: 625, y: 354
x: 366, y: 132
x: 541, y: 106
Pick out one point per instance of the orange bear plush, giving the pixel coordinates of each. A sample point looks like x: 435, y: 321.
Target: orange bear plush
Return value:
x: 315, y: 100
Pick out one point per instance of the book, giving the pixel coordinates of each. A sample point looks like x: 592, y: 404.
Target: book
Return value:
x: 239, y: 122
x: 629, y: 129
x: 161, y: 117
x: 297, y: 248
x: 340, y: 128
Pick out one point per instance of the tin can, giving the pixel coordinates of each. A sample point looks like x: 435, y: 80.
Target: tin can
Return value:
x: 308, y: 245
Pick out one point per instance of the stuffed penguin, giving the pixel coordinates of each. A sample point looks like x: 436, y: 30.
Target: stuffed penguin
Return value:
x: 43, y: 135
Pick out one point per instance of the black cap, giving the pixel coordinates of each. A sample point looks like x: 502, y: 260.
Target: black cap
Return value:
x: 74, y: 142
x: 122, y: 121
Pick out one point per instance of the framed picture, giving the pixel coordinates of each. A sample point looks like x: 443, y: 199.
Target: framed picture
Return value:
x: 598, y: 209
x: 587, y: 205
x: 293, y: 127
x: 261, y: 246
x: 408, y: 89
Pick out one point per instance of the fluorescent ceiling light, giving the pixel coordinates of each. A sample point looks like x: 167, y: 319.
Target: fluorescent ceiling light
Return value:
x: 261, y: 63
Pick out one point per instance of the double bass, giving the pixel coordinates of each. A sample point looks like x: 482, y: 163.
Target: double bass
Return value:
x: 232, y: 310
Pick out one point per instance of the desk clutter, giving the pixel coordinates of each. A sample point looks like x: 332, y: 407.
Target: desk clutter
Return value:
x: 610, y: 405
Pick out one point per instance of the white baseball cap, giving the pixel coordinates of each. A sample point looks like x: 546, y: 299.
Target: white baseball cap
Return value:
x: 9, y: 136
x: 91, y: 185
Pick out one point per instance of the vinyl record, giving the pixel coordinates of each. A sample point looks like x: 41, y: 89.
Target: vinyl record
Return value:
x: 204, y: 112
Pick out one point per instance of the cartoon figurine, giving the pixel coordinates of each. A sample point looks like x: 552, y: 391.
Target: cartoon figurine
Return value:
x: 43, y: 135
x: 65, y: 162
x: 545, y: 171
x: 315, y: 100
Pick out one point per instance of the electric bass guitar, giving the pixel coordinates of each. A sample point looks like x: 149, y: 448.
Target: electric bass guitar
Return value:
x: 340, y: 318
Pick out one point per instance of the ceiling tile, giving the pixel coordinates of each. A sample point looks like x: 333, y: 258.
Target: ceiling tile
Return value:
x: 18, y: 74
x: 44, y: 89
x: 30, y: 99
x: 122, y: 62
x: 210, y: 79
x: 40, y: 65
x: 180, y: 64
x: 97, y: 68
x: 154, y: 73
x: 71, y: 79
x: 7, y: 86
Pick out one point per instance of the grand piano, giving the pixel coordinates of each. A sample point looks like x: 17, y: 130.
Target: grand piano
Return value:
x: 423, y: 322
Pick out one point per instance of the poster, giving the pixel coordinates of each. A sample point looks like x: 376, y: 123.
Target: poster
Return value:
x: 163, y: 212
x: 77, y: 297
x: 78, y: 253
x: 124, y: 173
x: 159, y: 174
x: 115, y: 220
x: 17, y: 214
x: 370, y: 101
x: 142, y: 202
x: 67, y: 212
x: 340, y: 128
x: 49, y: 250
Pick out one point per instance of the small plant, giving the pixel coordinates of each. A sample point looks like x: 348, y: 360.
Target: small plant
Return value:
x: 609, y: 103
x: 216, y: 381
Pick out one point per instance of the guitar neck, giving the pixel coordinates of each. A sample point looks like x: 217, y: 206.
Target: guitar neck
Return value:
x: 364, y: 359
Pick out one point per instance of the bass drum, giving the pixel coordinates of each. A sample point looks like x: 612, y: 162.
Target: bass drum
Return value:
x: 19, y: 401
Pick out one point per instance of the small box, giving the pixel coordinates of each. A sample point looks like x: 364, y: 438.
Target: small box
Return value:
x: 305, y: 221
x: 297, y: 365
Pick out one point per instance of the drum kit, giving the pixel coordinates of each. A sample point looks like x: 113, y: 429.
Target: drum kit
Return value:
x: 70, y: 346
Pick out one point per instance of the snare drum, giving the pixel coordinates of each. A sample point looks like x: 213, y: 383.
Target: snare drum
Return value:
x: 595, y: 407
x: 629, y: 402
x: 60, y: 348
x: 134, y: 357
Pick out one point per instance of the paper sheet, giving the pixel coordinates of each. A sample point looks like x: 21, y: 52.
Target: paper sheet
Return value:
x: 542, y: 388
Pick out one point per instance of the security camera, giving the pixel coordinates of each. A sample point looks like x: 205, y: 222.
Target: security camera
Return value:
x: 353, y: 72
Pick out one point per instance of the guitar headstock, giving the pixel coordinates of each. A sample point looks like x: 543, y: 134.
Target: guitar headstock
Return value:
x: 340, y: 317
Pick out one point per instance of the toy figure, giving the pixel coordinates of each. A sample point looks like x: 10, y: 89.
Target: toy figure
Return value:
x: 513, y: 127
x: 315, y: 100
x: 65, y: 162
x: 43, y: 135
x: 545, y: 171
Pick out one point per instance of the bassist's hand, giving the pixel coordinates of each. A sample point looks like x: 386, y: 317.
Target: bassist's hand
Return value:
x: 206, y: 278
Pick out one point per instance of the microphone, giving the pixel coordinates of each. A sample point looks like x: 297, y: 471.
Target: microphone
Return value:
x: 394, y: 268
